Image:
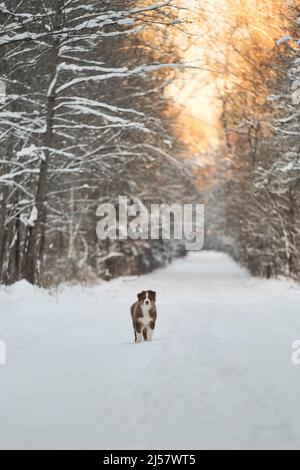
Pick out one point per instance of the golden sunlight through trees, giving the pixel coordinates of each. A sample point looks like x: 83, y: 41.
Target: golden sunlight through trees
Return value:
x: 225, y: 40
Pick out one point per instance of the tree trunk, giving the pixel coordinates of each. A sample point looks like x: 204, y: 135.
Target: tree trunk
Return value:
x: 36, y: 232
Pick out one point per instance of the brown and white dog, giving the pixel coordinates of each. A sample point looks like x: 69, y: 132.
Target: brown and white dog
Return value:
x: 144, y: 315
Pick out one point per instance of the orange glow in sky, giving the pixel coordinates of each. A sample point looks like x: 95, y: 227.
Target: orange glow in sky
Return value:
x: 206, y: 25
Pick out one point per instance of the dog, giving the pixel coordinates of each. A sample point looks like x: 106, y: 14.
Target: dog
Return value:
x: 144, y: 314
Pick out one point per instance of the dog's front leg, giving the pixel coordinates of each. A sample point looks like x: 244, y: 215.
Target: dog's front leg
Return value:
x: 139, y: 337
x: 149, y: 334
x: 138, y: 332
x: 150, y: 330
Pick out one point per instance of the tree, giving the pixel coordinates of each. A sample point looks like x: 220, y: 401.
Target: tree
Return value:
x: 259, y: 176
x: 82, y: 126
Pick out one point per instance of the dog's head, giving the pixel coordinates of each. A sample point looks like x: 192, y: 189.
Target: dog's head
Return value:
x: 147, y: 297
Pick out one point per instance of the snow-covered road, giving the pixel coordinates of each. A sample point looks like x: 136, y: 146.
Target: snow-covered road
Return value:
x: 217, y: 375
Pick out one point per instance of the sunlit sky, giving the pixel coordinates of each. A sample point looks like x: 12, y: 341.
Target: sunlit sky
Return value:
x: 195, y: 91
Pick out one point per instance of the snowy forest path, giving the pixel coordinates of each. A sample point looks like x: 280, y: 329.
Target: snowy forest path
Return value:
x: 218, y: 373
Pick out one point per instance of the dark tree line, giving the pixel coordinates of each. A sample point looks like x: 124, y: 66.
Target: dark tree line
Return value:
x: 258, y: 183
x: 83, y: 121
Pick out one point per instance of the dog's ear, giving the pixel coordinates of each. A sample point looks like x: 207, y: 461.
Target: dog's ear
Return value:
x: 152, y: 294
x: 140, y: 295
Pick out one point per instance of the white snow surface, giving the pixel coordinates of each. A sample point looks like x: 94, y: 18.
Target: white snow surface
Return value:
x: 218, y: 373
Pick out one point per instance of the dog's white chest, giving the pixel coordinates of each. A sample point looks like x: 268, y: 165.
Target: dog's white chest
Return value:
x: 146, y: 315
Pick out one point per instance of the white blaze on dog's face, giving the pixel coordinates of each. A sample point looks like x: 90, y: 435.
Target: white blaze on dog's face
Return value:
x: 147, y: 298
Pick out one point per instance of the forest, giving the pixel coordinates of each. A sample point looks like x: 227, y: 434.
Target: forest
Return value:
x: 162, y: 102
